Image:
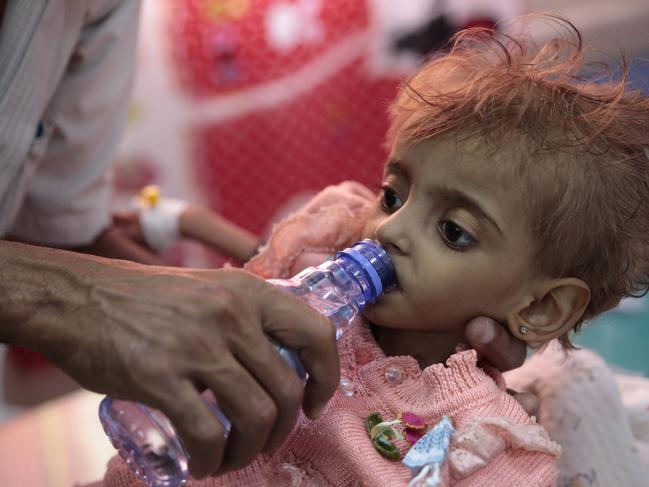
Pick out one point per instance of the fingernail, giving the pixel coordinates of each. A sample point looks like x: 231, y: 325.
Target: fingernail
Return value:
x: 317, y: 412
x: 484, y: 332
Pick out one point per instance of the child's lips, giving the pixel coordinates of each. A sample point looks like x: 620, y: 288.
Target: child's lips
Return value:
x: 393, y: 288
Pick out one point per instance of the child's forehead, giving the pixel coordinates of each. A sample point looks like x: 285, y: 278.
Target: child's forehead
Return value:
x: 467, y: 156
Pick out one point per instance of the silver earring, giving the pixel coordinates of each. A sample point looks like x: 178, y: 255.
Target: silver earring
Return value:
x: 523, y: 330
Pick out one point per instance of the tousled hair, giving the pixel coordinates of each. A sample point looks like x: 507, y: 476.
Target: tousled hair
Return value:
x: 581, y: 140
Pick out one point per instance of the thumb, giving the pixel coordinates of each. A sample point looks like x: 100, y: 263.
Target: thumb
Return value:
x: 494, y: 342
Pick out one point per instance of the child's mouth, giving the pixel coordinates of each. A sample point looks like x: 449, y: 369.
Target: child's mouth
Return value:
x: 394, y: 287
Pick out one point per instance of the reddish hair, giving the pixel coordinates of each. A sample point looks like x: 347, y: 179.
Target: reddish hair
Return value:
x: 581, y: 144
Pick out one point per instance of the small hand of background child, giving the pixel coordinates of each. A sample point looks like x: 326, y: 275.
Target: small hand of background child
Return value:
x: 183, y: 220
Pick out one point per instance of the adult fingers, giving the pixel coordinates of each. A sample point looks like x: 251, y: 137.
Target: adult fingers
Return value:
x: 129, y: 223
x: 296, y: 326
x: 280, y: 382
x: 202, y: 435
x: 262, y: 403
x: 494, y: 342
x: 528, y: 401
x: 250, y: 409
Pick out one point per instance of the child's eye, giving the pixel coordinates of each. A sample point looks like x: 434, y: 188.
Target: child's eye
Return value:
x: 455, y: 236
x: 390, y: 200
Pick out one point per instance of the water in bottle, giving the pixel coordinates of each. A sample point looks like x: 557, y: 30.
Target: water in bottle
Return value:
x: 338, y: 288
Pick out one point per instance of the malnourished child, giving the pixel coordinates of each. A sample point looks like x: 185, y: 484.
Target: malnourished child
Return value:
x: 514, y: 189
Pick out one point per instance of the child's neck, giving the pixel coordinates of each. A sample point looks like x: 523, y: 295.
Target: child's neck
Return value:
x: 426, y: 347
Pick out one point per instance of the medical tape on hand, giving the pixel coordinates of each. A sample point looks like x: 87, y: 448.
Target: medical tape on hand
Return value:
x: 160, y: 222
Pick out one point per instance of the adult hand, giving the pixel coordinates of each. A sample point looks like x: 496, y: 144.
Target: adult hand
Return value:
x: 160, y: 335
x: 122, y: 241
x: 502, y: 350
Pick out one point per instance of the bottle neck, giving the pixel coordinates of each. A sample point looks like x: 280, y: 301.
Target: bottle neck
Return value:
x: 375, y: 263
x: 359, y: 283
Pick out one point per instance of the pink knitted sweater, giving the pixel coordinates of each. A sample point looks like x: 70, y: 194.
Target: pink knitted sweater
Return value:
x: 335, y: 449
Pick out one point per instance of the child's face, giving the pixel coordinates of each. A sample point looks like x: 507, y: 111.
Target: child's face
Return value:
x: 458, y: 235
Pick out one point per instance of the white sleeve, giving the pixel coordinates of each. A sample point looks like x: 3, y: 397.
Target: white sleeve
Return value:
x: 67, y: 203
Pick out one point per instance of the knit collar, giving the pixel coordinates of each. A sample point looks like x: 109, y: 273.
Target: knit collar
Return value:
x: 449, y: 384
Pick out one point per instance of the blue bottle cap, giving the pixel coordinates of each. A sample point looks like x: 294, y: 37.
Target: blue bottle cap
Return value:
x: 375, y: 262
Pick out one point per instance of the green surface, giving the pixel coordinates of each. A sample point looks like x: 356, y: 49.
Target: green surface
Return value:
x: 621, y: 336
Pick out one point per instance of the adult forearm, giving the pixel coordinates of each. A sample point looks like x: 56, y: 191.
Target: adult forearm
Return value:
x: 39, y: 289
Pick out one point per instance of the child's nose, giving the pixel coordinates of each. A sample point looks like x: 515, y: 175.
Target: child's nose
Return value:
x: 392, y: 235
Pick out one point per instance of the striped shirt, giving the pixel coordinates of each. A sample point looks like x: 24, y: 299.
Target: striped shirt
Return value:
x: 66, y: 68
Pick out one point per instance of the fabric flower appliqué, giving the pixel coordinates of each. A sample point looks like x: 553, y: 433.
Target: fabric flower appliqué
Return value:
x: 382, y: 433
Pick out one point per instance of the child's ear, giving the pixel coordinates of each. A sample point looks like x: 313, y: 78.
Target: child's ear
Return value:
x: 556, y: 307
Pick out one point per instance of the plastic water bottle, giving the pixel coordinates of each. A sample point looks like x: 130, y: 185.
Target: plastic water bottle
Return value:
x: 338, y: 288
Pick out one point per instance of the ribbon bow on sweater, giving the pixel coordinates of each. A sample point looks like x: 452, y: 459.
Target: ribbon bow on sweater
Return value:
x: 426, y: 457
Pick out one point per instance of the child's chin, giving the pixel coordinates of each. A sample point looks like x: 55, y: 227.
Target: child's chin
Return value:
x: 376, y: 312
x: 368, y: 312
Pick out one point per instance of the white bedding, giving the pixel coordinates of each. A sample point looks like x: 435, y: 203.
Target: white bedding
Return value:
x: 601, y: 419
